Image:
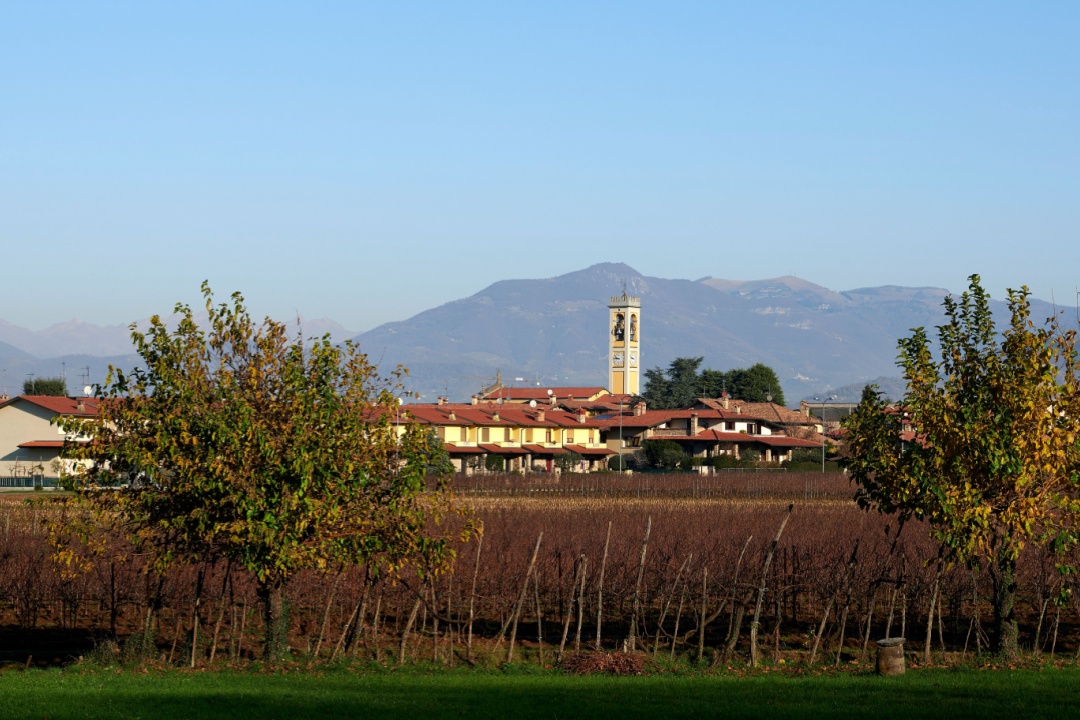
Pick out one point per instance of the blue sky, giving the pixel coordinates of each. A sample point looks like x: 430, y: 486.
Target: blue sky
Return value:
x: 365, y: 161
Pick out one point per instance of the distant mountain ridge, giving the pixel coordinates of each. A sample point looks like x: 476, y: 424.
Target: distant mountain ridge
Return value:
x: 83, y: 351
x: 553, y: 331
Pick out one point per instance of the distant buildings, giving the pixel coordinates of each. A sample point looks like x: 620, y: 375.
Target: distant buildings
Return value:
x: 522, y: 429
x: 30, y: 443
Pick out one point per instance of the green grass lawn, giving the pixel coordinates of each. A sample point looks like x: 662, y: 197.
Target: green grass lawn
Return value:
x: 82, y: 693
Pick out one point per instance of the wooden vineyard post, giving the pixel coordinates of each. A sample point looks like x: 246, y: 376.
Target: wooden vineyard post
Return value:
x: 704, y: 599
x: 568, y: 615
x: 600, y: 587
x: 761, y: 588
x: 667, y: 603
x: 472, y: 598
x: 521, y: 599
x: 637, y: 587
x: 930, y: 622
x: 581, y: 603
x: 408, y: 627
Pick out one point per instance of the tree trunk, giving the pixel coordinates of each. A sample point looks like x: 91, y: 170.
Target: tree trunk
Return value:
x: 275, y: 620
x: 1004, y: 639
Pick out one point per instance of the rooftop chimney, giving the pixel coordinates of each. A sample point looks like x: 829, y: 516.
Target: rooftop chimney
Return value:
x: 639, y: 409
x: 452, y: 417
x: 475, y: 399
x: 540, y: 416
x: 581, y: 415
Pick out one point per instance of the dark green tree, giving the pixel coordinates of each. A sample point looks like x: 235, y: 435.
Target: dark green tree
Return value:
x: 757, y: 383
x: 682, y: 383
x: 675, y: 387
x: 55, y: 386
x: 663, y: 454
x: 568, y: 462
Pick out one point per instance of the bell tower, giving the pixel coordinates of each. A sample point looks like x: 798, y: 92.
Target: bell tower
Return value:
x: 624, y: 345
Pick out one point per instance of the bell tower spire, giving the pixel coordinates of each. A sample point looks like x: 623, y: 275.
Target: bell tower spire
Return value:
x: 624, y: 344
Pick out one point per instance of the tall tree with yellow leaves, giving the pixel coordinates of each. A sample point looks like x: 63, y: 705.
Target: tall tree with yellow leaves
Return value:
x: 993, y: 463
x: 239, y: 442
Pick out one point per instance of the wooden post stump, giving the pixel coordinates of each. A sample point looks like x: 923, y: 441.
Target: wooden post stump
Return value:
x: 890, y: 656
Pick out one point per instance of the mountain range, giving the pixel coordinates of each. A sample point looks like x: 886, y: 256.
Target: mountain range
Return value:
x: 553, y: 332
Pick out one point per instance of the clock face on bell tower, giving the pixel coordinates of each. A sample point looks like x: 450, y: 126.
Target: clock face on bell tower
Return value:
x: 624, y: 345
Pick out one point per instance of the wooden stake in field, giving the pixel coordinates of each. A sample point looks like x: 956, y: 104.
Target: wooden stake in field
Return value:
x: 667, y: 603
x: 581, y: 603
x: 408, y: 627
x: 738, y: 609
x: 539, y: 618
x: 569, y: 609
x: 678, y: 617
x: 600, y: 587
x: 637, y: 587
x: 521, y: 599
x: 225, y: 599
x: 761, y: 588
x: 704, y: 601
x: 832, y: 600
x: 326, y: 612
x: 930, y: 620
x: 472, y: 598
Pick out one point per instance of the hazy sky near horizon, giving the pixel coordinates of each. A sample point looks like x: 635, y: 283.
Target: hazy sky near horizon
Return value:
x: 365, y: 161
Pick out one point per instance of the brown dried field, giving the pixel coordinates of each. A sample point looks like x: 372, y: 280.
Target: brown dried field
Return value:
x: 680, y: 570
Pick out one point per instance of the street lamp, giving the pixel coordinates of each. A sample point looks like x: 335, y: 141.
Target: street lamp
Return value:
x: 823, y: 401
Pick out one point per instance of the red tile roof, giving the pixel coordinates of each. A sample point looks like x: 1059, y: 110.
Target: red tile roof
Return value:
x: 722, y: 436
x: 651, y: 418
x: 510, y: 415
x: 540, y: 450
x: 499, y: 450
x: 75, y: 407
x: 785, y: 441
x: 462, y: 450
x: 541, y: 393
x: 582, y: 450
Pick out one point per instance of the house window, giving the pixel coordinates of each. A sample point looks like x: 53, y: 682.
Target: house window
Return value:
x: 529, y: 435
x: 441, y: 432
x: 464, y: 434
x: 730, y: 426
x: 485, y: 434
x: 569, y: 436
x: 507, y: 435
x: 547, y: 436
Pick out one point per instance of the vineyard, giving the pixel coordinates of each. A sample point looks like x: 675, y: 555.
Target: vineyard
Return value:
x: 751, y: 567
